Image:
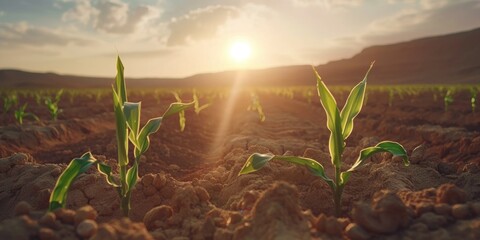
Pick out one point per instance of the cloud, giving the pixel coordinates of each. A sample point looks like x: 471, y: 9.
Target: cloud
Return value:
x: 143, y: 53
x: 428, y: 19
x: 111, y: 16
x: 199, y: 24
x: 22, y: 34
x: 328, y: 4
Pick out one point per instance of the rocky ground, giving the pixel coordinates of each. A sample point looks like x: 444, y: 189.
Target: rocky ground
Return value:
x: 190, y: 188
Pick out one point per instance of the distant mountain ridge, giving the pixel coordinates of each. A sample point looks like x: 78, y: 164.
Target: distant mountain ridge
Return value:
x: 446, y: 59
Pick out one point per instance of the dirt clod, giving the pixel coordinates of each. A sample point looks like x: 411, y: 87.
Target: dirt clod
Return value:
x: 87, y: 228
x: 443, y: 209
x: 47, y: 234
x: 22, y: 208
x: 450, y: 194
x: 159, y: 181
x: 460, y: 211
x: 432, y: 220
x: 85, y: 212
x: 65, y: 215
x: 355, y: 232
x: 48, y: 220
x: 276, y: 214
x: 160, y: 213
x: 386, y: 215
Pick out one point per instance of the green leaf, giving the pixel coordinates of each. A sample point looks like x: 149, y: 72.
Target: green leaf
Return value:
x: 58, y: 198
x: 353, y: 106
x: 121, y: 130
x: 152, y: 126
x: 132, y: 116
x: 107, y: 171
x: 386, y: 146
x: 197, y: 106
x: 120, y: 87
x: 182, y: 120
x: 132, y: 176
x: 176, y: 108
x: 58, y: 95
x: 256, y: 161
x: 336, y: 141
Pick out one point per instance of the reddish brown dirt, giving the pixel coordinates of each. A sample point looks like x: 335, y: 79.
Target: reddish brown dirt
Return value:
x: 189, y: 188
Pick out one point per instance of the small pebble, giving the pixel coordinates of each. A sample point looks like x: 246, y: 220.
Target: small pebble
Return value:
x: 147, y: 179
x: 355, y: 232
x: 87, y: 228
x: 85, y: 212
x: 105, y: 232
x: 432, y: 220
x: 443, y: 209
x: 65, y: 215
x: 160, y: 213
x: 423, y: 208
x: 22, y: 208
x: 48, y: 220
x: 47, y: 234
x: 450, y: 194
x: 460, y: 211
x: 159, y: 181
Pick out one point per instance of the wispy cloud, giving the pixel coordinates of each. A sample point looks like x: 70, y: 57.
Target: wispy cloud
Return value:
x: 144, y: 53
x: 111, y: 16
x: 328, y: 4
x: 431, y: 18
x: 199, y: 24
x: 22, y: 34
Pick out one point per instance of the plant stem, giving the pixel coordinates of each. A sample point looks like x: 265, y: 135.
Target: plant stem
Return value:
x: 337, y: 193
x: 123, y: 191
x: 125, y: 205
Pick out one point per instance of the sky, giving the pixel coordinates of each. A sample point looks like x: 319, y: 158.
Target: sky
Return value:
x: 178, y: 38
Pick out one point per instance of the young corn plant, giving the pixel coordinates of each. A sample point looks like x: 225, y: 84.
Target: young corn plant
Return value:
x: 197, y: 106
x: 473, y: 98
x: 256, y: 106
x: 52, y: 105
x: 181, y: 115
x: 340, y: 124
x: 127, y: 120
x: 20, y: 114
x: 448, y: 99
x: 9, y: 101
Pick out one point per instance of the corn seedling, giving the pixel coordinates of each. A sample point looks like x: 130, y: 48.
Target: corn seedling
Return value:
x: 127, y: 120
x: 391, y: 96
x: 308, y: 94
x: 340, y: 124
x: 181, y: 114
x: 52, y: 105
x: 473, y: 98
x: 9, y: 101
x: 197, y: 106
x: 256, y: 106
x: 38, y: 98
x: 20, y: 114
x: 448, y: 99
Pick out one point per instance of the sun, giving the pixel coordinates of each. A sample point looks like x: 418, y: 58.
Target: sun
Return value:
x: 240, y: 51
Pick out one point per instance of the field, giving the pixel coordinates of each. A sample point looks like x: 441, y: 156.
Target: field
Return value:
x: 189, y: 186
